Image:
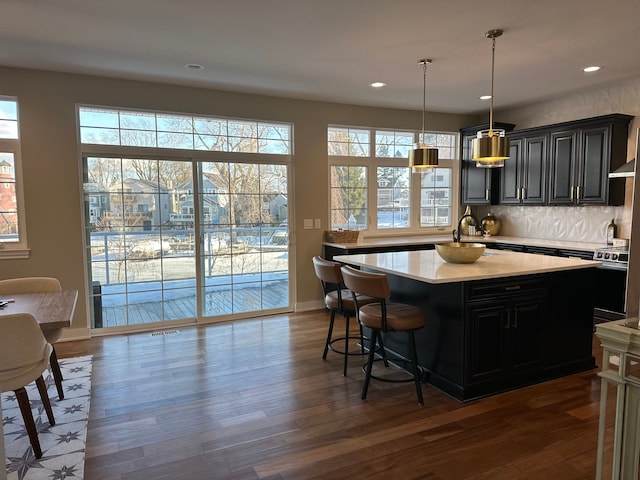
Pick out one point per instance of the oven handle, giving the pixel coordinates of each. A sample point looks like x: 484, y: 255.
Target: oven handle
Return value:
x: 622, y: 267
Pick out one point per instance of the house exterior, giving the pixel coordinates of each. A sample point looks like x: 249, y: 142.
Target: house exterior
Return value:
x: 137, y: 205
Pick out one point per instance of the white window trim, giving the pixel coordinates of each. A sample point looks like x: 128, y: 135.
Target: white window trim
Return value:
x: 16, y: 250
x: 373, y: 162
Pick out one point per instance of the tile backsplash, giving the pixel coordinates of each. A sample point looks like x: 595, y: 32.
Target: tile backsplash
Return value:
x: 576, y: 224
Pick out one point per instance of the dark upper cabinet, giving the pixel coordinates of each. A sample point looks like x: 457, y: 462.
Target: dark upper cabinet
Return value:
x: 582, y: 154
x: 523, y: 177
x: 478, y: 186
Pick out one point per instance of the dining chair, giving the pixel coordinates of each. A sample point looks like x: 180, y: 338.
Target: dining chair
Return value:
x: 24, y: 355
x: 52, y: 335
x: 384, y: 316
x: 338, y: 299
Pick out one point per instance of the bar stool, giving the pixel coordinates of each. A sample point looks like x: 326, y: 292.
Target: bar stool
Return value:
x: 383, y: 316
x: 338, y: 299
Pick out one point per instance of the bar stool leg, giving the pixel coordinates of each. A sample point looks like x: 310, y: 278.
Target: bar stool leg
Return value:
x: 326, y: 345
x: 346, y: 344
x: 372, y: 352
x: 414, y: 363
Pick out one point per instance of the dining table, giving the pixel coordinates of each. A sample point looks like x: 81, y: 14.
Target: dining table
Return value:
x: 50, y: 309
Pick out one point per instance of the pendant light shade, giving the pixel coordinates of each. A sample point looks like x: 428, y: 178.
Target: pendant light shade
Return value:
x: 421, y: 156
x: 491, y: 147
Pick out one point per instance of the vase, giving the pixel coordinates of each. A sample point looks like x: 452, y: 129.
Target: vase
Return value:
x: 467, y: 221
x: 490, y: 224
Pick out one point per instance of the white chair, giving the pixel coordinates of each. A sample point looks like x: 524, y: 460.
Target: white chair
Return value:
x: 24, y: 355
x: 39, y: 285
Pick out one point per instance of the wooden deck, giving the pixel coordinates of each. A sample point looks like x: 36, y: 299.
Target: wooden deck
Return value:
x: 223, y: 302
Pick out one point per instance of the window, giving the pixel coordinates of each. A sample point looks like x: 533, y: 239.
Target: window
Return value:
x: 195, y: 226
x: 185, y: 132
x: 382, y: 182
x: 12, y: 223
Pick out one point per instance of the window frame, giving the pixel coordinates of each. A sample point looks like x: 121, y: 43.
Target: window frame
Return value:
x: 19, y: 249
x: 371, y: 163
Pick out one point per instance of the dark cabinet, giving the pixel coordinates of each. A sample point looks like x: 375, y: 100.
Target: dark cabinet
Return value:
x: 581, y: 156
x: 505, y: 334
x: 523, y: 177
x: 478, y: 186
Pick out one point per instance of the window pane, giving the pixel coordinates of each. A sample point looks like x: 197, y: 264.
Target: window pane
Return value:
x: 435, y: 197
x: 393, y: 144
x: 348, y: 142
x: 393, y: 197
x: 175, y: 140
x: 99, y: 118
x: 9, y: 119
x: 8, y: 202
x: 101, y: 136
x: 175, y: 123
x: 349, y: 197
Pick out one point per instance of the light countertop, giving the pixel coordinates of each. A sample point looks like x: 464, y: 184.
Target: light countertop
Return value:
x: 421, y: 240
x: 427, y: 266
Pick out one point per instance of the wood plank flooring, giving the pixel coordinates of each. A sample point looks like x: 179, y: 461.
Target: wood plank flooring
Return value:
x: 253, y: 399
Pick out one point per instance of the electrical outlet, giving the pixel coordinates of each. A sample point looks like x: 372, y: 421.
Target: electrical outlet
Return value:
x: 317, y: 224
x: 308, y: 223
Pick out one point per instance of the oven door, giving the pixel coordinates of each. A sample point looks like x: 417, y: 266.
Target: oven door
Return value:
x: 611, y: 288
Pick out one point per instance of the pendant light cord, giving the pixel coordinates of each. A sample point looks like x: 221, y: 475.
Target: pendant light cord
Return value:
x: 424, y: 98
x: 493, y: 59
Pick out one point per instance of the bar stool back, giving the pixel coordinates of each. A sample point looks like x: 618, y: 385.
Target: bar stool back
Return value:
x: 338, y: 299
x: 383, y: 316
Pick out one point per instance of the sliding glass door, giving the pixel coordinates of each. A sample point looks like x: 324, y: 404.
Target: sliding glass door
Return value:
x: 178, y: 240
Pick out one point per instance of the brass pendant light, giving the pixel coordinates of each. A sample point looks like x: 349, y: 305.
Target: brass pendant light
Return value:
x: 491, y: 147
x: 422, y: 157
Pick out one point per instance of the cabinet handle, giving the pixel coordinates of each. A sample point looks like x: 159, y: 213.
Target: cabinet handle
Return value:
x: 578, y: 193
x: 524, y: 193
x: 512, y: 288
x: 486, y: 194
x: 571, y: 193
x: 518, y: 193
x: 508, y: 324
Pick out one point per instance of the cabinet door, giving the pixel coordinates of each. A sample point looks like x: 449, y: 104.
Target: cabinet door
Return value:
x: 487, y: 323
x: 511, y: 174
x: 562, y: 167
x: 476, y: 182
x: 593, y: 169
x: 525, y: 322
x: 534, y: 171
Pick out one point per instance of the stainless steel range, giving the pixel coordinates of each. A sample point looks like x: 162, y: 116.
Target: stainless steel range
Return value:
x: 616, y: 258
x: 611, y: 283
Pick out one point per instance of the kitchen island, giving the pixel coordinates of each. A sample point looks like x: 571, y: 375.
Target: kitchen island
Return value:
x: 508, y: 320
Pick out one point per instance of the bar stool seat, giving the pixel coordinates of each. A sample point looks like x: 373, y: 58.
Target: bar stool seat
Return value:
x: 384, y: 316
x: 338, y: 299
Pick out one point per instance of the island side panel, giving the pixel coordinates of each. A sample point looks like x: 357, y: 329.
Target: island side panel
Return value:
x: 569, y: 327
x: 440, y: 343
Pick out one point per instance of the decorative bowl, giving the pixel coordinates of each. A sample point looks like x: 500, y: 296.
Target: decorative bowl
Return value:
x: 460, y: 252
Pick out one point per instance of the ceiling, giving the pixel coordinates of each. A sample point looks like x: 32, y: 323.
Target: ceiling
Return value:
x: 331, y: 50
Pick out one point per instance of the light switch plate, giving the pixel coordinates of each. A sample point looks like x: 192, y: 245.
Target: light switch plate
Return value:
x: 317, y: 224
x: 308, y: 223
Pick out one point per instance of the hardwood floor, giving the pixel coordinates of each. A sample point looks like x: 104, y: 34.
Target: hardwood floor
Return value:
x: 254, y: 400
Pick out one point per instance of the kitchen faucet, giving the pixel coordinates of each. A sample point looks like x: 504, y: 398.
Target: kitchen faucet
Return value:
x: 457, y: 239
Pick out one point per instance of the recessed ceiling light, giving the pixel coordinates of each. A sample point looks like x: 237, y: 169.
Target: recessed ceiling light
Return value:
x: 485, y: 97
x: 378, y: 84
x: 194, y: 66
x: 593, y: 68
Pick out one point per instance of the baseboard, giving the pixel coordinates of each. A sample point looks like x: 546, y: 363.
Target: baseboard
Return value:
x: 73, y: 334
x: 309, y: 306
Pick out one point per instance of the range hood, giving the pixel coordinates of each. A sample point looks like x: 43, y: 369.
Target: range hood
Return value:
x: 626, y: 170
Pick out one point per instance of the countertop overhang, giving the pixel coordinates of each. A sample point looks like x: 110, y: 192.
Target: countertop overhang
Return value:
x: 427, y: 266
x: 426, y: 239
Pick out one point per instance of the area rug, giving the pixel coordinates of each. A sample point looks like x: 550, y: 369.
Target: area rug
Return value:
x: 63, y: 444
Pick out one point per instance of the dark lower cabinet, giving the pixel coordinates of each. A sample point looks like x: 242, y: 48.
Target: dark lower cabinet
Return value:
x: 504, y: 337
